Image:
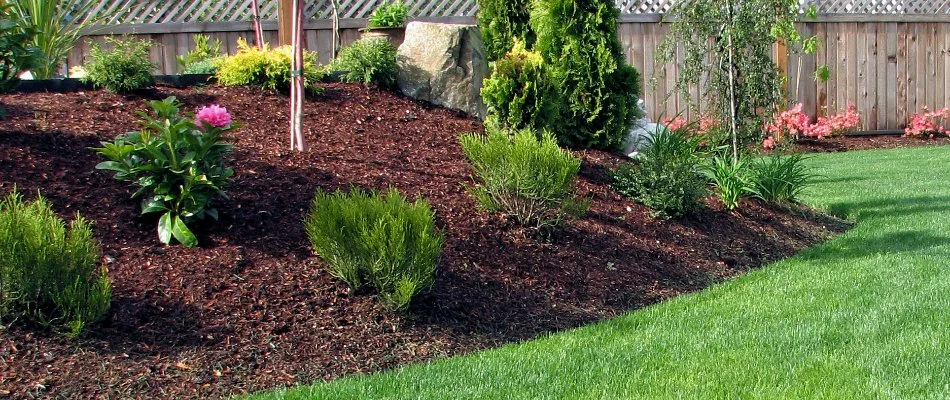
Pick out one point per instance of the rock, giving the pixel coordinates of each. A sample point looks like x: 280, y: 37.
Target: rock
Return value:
x: 641, y: 134
x: 444, y: 64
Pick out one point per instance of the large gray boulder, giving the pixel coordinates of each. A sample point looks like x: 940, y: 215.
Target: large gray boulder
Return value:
x: 444, y: 64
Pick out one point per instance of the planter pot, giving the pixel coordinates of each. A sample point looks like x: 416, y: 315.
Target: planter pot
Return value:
x: 393, y: 35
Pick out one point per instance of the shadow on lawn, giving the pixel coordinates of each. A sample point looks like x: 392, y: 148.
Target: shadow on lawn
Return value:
x: 882, y: 208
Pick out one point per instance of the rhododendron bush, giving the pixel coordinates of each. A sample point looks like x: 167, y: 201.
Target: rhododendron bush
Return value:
x: 928, y: 124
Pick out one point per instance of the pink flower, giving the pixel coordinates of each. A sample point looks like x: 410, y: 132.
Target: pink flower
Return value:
x: 213, y: 115
x: 674, y: 124
x: 768, y: 143
x: 926, y: 123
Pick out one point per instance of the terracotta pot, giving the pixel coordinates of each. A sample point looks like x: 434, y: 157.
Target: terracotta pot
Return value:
x: 393, y: 35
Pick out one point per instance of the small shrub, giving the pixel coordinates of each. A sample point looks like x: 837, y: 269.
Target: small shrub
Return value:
x: 928, y: 124
x: 371, y: 60
x: 780, y: 178
x: 378, y: 239
x: 523, y: 176
x: 729, y: 178
x: 49, y: 275
x: 177, y: 164
x: 389, y: 15
x: 209, y: 67
x: 17, y: 52
x: 123, y: 69
x: 267, y: 68
x: 202, y: 56
x: 668, y: 178
x: 501, y: 22
x: 518, y: 94
x: 598, y: 90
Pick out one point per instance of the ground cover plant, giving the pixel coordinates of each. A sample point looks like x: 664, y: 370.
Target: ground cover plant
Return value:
x: 252, y: 307
x: 863, y: 316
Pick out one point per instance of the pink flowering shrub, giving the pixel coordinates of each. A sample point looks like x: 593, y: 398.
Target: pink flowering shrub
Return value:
x: 213, y: 115
x: 794, y: 123
x: 675, y: 123
x: 926, y: 124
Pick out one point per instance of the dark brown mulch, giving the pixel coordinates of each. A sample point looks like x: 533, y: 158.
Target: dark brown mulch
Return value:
x: 866, y: 142
x: 252, y: 308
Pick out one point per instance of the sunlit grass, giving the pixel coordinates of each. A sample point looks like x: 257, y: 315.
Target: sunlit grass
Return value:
x: 866, y: 315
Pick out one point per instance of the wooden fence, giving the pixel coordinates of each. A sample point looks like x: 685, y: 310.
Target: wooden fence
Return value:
x: 890, y: 65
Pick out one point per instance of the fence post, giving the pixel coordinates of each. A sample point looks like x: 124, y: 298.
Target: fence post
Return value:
x: 285, y: 20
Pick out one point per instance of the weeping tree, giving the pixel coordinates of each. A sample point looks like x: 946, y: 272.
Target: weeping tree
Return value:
x: 729, y: 43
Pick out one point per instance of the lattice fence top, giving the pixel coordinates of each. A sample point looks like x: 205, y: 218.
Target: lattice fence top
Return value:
x: 182, y: 11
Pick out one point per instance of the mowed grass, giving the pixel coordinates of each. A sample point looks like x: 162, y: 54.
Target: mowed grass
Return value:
x: 865, y: 316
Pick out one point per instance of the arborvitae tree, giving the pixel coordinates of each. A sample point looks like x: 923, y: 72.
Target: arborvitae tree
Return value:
x: 500, y: 21
x: 599, y: 91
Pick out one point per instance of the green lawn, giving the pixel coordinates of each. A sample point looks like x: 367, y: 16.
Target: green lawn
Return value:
x: 864, y: 316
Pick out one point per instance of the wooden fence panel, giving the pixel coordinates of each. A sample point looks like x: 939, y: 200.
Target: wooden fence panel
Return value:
x: 888, y: 67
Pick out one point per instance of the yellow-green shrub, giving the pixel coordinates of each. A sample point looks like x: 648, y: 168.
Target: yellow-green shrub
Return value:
x: 267, y: 68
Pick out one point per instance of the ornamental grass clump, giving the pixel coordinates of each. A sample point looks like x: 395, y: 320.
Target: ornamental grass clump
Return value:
x: 729, y: 177
x: 526, y: 176
x: 177, y: 163
x: 49, y: 274
x: 779, y: 178
x: 668, y: 177
x: 377, y: 239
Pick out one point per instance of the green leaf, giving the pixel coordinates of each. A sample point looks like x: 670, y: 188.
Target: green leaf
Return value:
x: 182, y: 233
x: 165, y: 228
x: 153, y: 205
x: 112, y: 166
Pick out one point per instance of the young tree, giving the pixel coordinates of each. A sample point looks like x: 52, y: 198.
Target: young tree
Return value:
x: 730, y: 43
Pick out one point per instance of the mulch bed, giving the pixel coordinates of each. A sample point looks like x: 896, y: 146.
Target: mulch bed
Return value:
x: 253, y: 309
x: 866, y: 142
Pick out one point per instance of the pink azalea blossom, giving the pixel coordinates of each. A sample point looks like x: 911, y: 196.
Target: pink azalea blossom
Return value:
x: 768, y: 143
x: 674, y: 124
x: 796, y: 123
x: 925, y: 124
x: 213, y: 115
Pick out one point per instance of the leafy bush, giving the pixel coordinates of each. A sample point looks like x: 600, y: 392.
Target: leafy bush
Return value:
x: 389, y: 15
x: 17, y: 53
x: 371, y: 60
x: 177, y: 164
x: 123, y: 69
x: 501, y: 22
x: 668, y: 178
x: 57, y: 30
x: 378, y: 239
x: 267, y: 68
x: 523, y: 176
x: 599, y: 91
x: 49, y: 275
x: 729, y: 178
x: 780, y: 178
x: 518, y: 94
x: 202, y: 56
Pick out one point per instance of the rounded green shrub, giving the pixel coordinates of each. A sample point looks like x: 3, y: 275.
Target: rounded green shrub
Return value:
x: 599, y: 91
x: 501, y: 22
x: 379, y: 239
x: 669, y: 177
x: 518, y: 93
x: 49, y: 275
x: 366, y: 61
x: 525, y: 175
x: 123, y: 69
x: 267, y: 68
